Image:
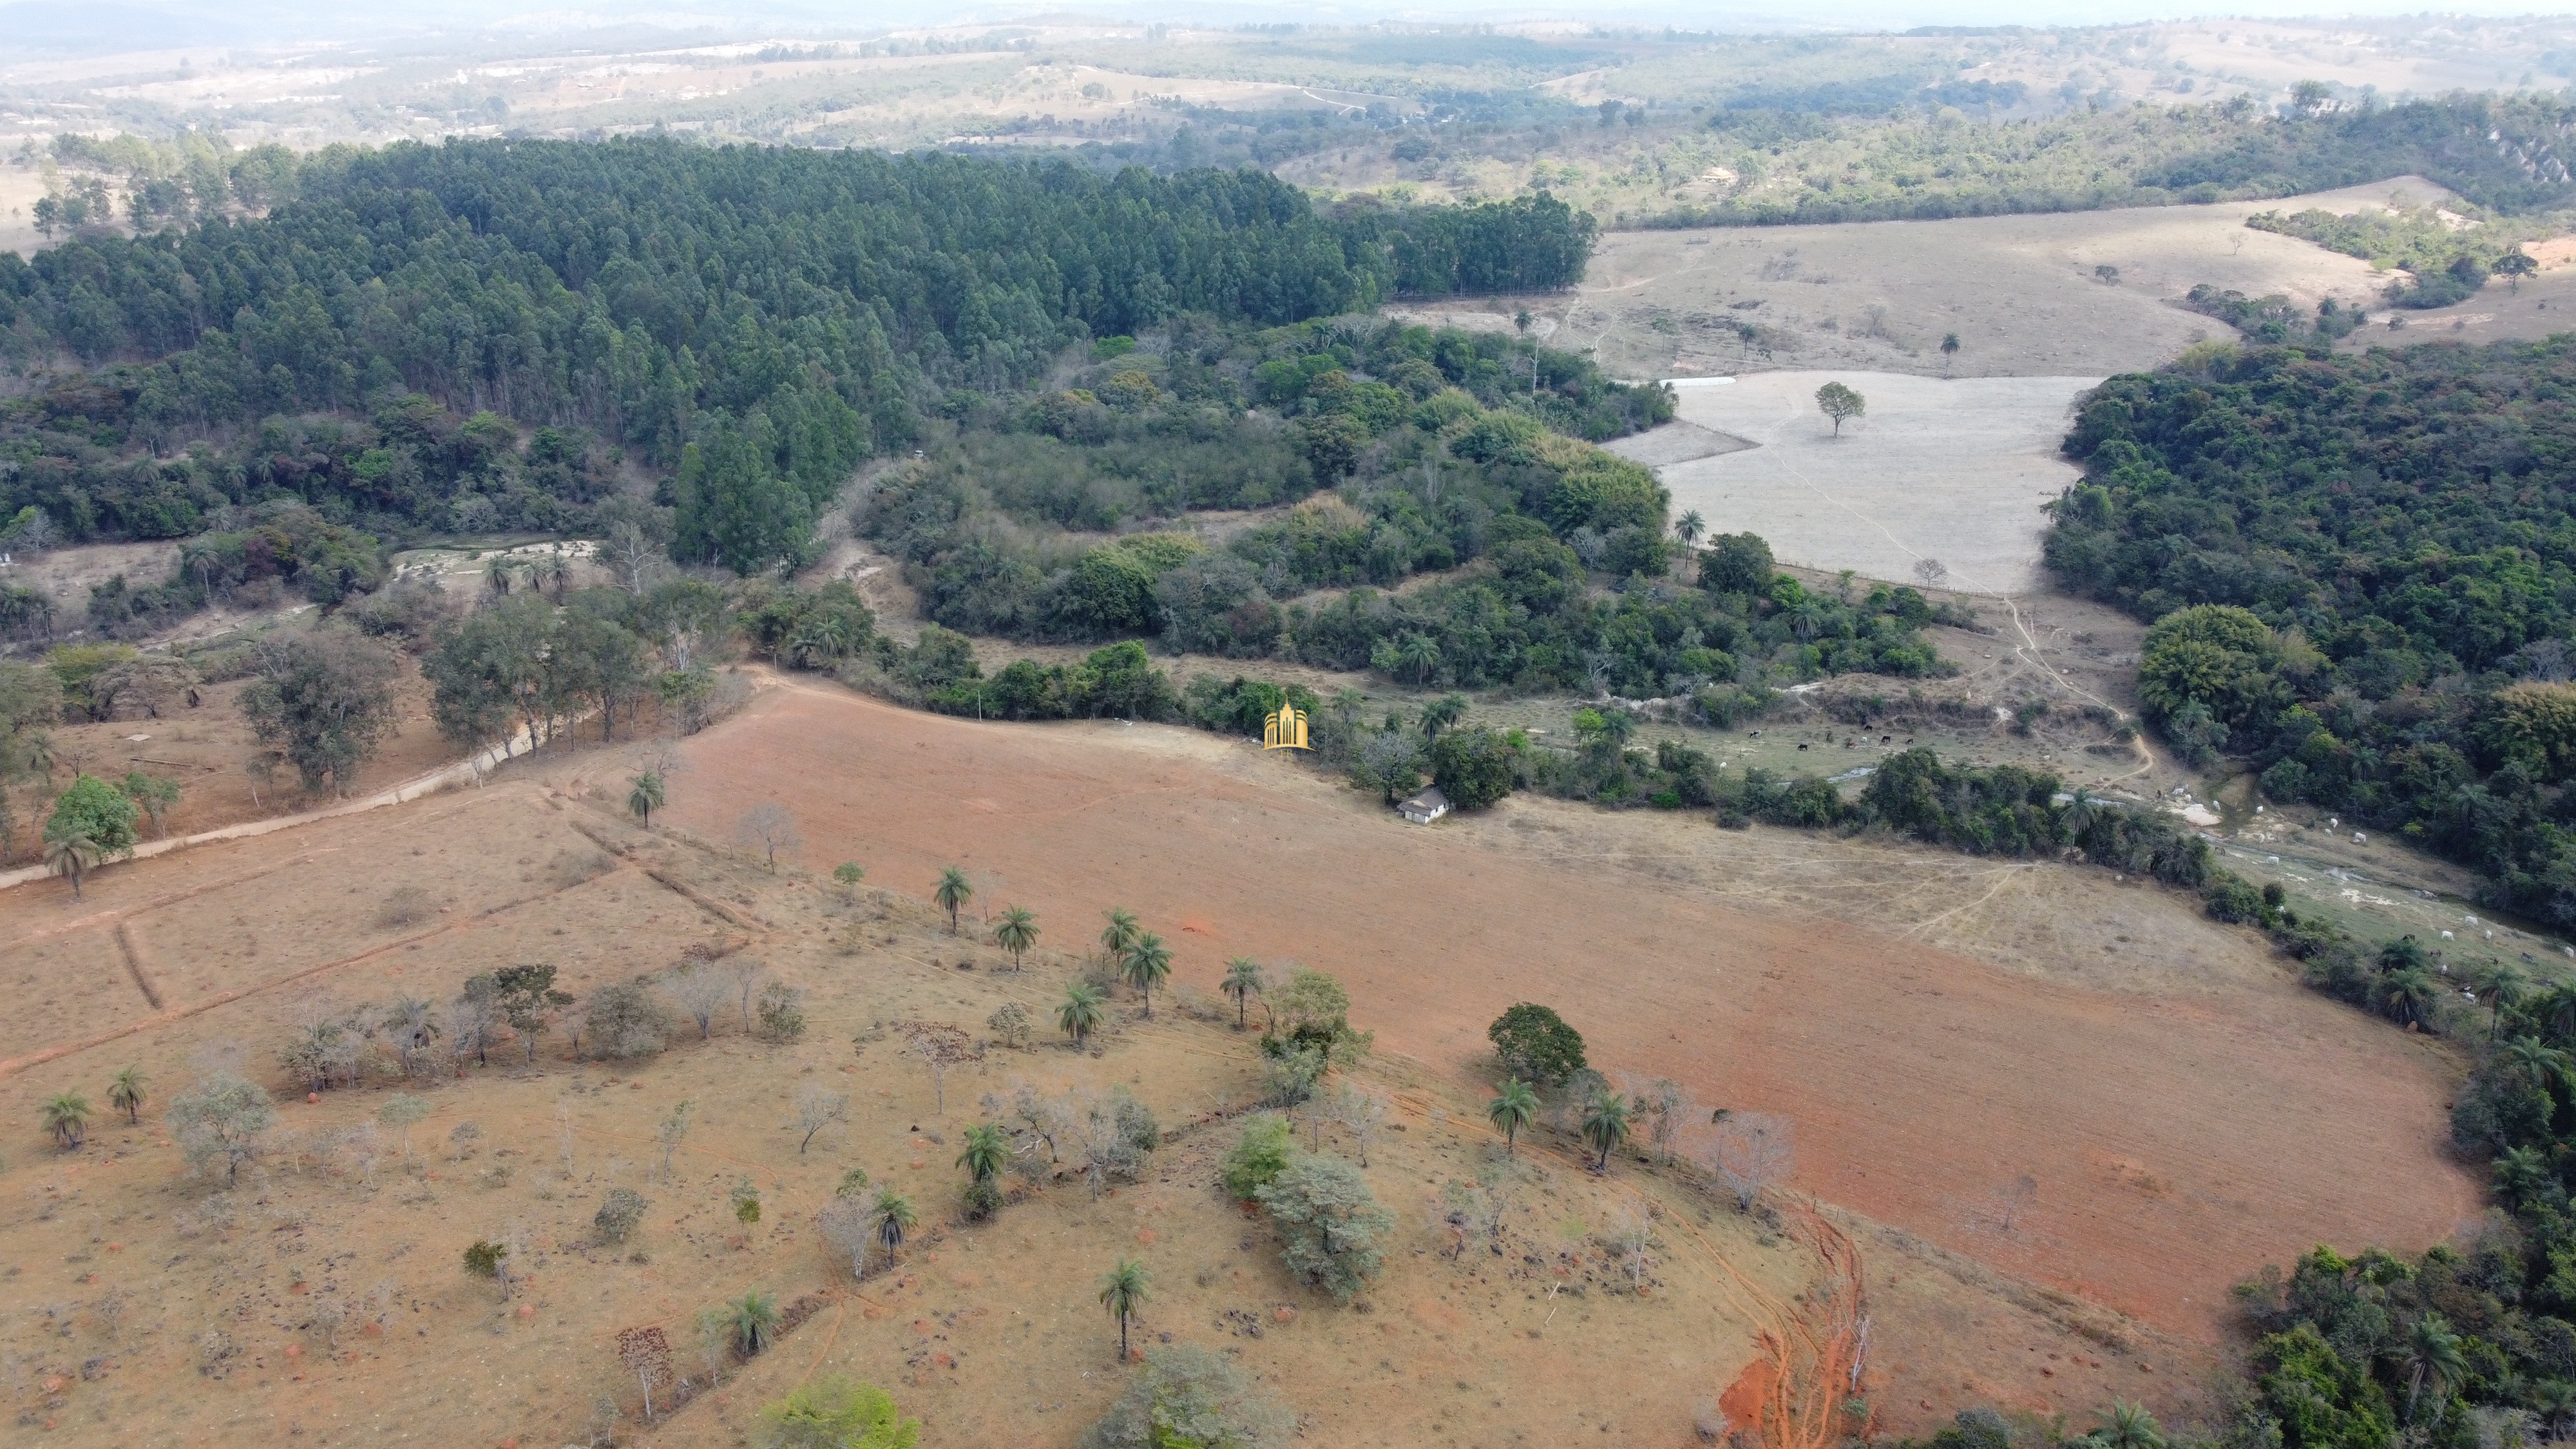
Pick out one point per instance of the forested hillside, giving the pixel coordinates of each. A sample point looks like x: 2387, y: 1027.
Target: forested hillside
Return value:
x: 750, y: 321
x: 2363, y: 575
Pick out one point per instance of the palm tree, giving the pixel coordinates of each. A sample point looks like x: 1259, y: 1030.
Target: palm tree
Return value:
x: 894, y: 1215
x: 2432, y: 1356
x: 1080, y: 1015
x: 1120, y: 933
x: 954, y: 891
x: 125, y: 1093
x: 1017, y: 933
x: 646, y: 797
x: 67, y: 1116
x: 73, y: 853
x: 2407, y: 995
x: 986, y: 1150
x: 2500, y: 985
x: 2080, y: 815
x: 1243, y: 981
x: 2129, y: 1426
x: 754, y: 1321
x: 1807, y: 617
x: 1605, y: 1124
x: 2556, y: 1010
x: 1148, y: 961
x: 2525, y: 1056
x: 1689, y: 527
x: 1512, y: 1109
x: 1123, y: 1290
x: 1441, y: 713
x: 1418, y: 654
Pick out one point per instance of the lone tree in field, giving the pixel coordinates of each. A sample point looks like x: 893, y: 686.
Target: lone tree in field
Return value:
x: 324, y: 699
x: 92, y: 823
x: 849, y: 873
x: 1689, y: 527
x: 1536, y: 1045
x: 645, y: 796
x: 755, y: 1322
x: 894, y: 1218
x: 1949, y: 347
x: 1080, y: 1015
x: 528, y: 1001
x: 1017, y: 933
x: 818, y: 1107
x: 125, y: 1093
x: 1514, y: 1107
x: 1147, y: 962
x: 955, y: 890
x: 1605, y: 1124
x: 222, y: 1121
x: 1840, y: 404
x: 768, y: 827
x: 1332, y: 1229
x: 67, y: 1117
x: 1123, y: 1290
x: 1244, y: 980
x: 987, y: 1150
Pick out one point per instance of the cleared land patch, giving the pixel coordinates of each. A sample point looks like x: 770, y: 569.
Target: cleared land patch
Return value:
x: 1921, y: 1080
x: 1942, y: 469
x: 2023, y: 293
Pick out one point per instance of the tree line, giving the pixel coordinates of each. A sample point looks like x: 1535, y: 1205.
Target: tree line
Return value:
x: 749, y: 321
x: 2362, y: 575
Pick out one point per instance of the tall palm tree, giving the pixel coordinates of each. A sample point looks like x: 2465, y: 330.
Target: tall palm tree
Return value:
x: 2407, y: 995
x: 1243, y: 981
x: 1689, y: 527
x: 2542, y: 1065
x: 1080, y: 1015
x: 1120, y: 933
x: 1418, y: 654
x: 2556, y: 1011
x: 895, y: 1217
x: 646, y: 797
x: 67, y: 1117
x: 74, y: 853
x: 1123, y: 1290
x: 1513, y: 1108
x: 2129, y: 1426
x: 1442, y: 713
x: 2500, y: 985
x: 1148, y: 962
x: 1605, y: 1124
x: 986, y: 1151
x: 2432, y: 1357
x: 1017, y: 933
x: 954, y: 891
x: 2080, y: 815
x: 2554, y: 1400
x: 754, y: 1320
x: 125, y: 1093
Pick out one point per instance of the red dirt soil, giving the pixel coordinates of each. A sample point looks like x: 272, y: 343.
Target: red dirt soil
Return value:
x: 2175, y: 1145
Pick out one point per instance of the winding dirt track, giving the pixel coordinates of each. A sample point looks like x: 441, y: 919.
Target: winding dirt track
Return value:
x: 2175, y: 1145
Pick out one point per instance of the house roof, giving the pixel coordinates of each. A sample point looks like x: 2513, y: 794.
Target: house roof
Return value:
x: 1428, y: 800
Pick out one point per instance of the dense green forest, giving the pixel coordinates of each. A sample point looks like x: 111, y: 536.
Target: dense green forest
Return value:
x: 2362, y: 572
x: 479, y: 334
x: 2502, y: 153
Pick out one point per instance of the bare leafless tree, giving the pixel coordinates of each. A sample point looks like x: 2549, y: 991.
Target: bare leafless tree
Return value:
x: 1750, y: 1152
x: 745, y: 973
x: 1632, y: 1234
x: 2012, y: 1201
x: 1664, y: 1108
x: 701, y: 992
x: 1931, y: 571
x: 647, y: 1355
x: 1361, y: 1113
x: 769, y: 829
x: 818, y: 1107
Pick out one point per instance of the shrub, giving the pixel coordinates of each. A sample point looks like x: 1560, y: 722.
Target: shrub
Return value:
x: 483, y: 1258
x: 1474, y: 767
x: 1332, y: 1229
x: 782, y: 1019
x: 626, y: 1022
x: 835, y: 1411
x: 1259, y: 1156
x: 1536, y: 1045
x: 619, y: 1214
x: 1190, y: 1397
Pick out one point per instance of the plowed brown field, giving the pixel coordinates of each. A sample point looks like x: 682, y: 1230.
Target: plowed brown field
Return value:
x: 2172, y: 1142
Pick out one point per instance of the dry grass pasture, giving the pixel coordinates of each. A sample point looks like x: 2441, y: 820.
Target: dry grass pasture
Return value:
x: 1873, y: 1043
x: 2021, y: 292
x: 1952, y: 470
x: 322, y: 1299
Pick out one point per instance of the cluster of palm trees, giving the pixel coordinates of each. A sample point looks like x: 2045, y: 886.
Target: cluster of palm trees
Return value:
x: 1608, y: 1118
x: 66, y: 1114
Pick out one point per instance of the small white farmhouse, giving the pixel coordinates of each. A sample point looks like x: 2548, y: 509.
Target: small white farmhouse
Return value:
x: 1426, y: 807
